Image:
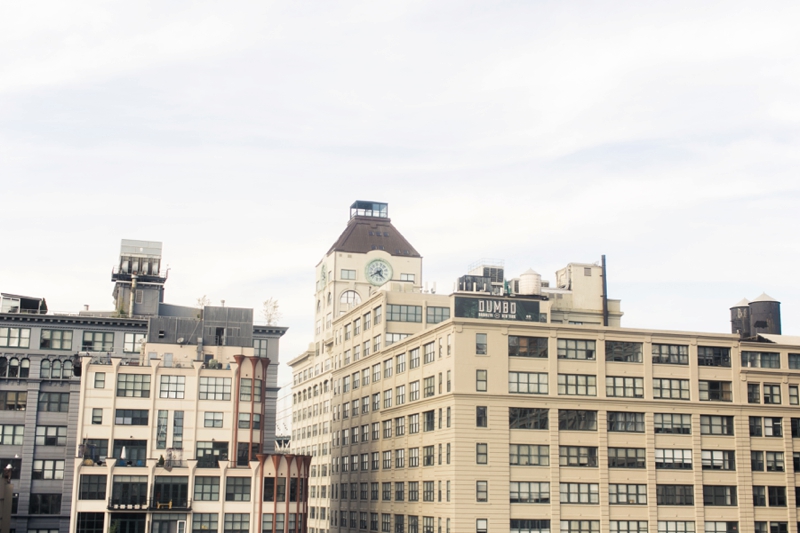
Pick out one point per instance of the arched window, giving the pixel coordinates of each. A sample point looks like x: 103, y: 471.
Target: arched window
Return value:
x: 319, y: 305
x: 325, y: 386
x: 294, y: 399
x: 24, y: 368
x: 304, y: 396
x: 350, y: 298
x: 316, y: 390
x: 45, y: 371
x: 67, y: 369
x: 56, y: 371
x: 13, y: 367
x: 3, y: 367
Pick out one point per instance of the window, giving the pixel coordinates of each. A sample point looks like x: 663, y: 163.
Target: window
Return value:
x: 527, y: 346
x: 670, y: 354
x: 240, y: 522
x: 719, y: 495
x: 212, y: 420
x: 99, y: 380
x: 760, y: 360
x: 97, y: 341
x: 92, y: 487
x: 753, y: 393
x: 413, y: 356
x: 413, y: 394
x: 387, y: 398
x: 794, y: 360
x: 133, y: 342
x: 413, y: 423
x: 131, y: 417
x: 133, y: 385
x: 13, y: 401
x: 45, y: 504
x: 794, y: 396
x: 624, y: 387
x: 15, y: 337
x: 772, y: 427
x: 251, y: 390
x: 48, y: 469
x: 376, y: 344
x: 715, y: 391
x: 576, y: 349
x: 427, y: 492
x: 427, y: 456
x: 577, y: 420
x: 215, y: 388
x: 97, y: 416
x: 14, y: 368
x: 480, y: 344
x: 51, y: 435
x: 54, y: 402
x: 713, y: 356
x: 388, y: 366
x: 403, y: 313
x: 772, y: 394
x: 626, y: 422
x: 529, y: 492
x: 676, y: 527
x: 579, y: 493
x: 400, y: 395
x: 55, y: 339
x: 580, y: 526
x: 481, y: 380
x: 577, y: 456
x: 675, y: 494
x: 577, y: 384
x: 626, y: 352
x: 527, y: 418
x: 675, y: 459
x: 626, y: 458
x: 627, y: 526
x: 481, y: 418
x: 481, y: 453
x: 719, y: 459
x: 670, y: 389
x: 434, y: 315
x: 399, y: 458
x: 627, y: 494
x: 400, y: 363
x: 529, y: 455
x: 430, y: 387
x: 172, y: 387
x: 716, y: 425
x: 206, y: 488
x: 237, y: 489
x: 348, y: 274
x: 722, y: 527
x: 527, y: 383
x: 481, y: 491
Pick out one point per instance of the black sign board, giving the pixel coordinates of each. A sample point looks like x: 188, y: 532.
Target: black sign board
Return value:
x: 497, y: 308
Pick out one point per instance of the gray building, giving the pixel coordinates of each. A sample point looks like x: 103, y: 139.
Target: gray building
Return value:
x: 40, y: 383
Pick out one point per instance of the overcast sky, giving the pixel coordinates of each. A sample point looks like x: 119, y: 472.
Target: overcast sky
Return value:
x: 662, y: 134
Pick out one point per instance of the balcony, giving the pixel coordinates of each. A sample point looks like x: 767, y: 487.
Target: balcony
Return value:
x: 208, y: 462
x: 142, y: 504
x: 127, y: 504
x: 170, y: 505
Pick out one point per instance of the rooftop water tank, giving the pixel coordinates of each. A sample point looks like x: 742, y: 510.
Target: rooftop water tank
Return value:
x: 530, y: 283
x: 765, y: 315
x: 740, y: 318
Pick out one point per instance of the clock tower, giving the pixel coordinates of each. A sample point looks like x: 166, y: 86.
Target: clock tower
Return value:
x: 370, y: 255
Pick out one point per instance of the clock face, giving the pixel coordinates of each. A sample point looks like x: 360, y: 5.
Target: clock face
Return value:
x: 378, y: 272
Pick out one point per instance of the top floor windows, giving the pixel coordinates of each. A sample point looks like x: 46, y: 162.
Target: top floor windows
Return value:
x: 15, y: 337
x: 761, y: 360
x: 434, y: 315
x: 713, y: 356
x: 403, y: 313
x: 260, y: 347
x: 133, y: 385
x: 133, y: 342
x: 172, y: 387
x: 56, y: 339
x: 215, y: 388
x: 670, y: 354
x: 576, y: 349
x: 98, y: 341
x: 626, y: 352
x: 527, y: 346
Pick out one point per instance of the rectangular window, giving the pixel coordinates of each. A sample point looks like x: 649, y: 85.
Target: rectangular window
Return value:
x: 482, y: 491
x: 576, y: 526
x: 48, y: 469
x: 413, y: 394
x: 670, y: 354
x: 215, y: 388
x: 527, y: 346
x: 92, y: 487
x: 529, y: 455
x: 715, y: 391
x: 99, y: 380
x: 387, y: 398
x: 212, y: 420
x: 761, y: 360
x: 582, y: 493
x: 625, y: 494
x: 481, y: 344
x: 348, y: 274
x: 97, y: 416
x: 528, y: 383
x: 131, y: 417
x: 481, y: 453
x: 54, y: 402
x: 670, y: 389
x: 753, y: 393
x: 481, y: 417
x: 675, y: 494
x: 428, y: 421
x: 403, y: 313
x: 581, y: 456
x: 722, y: 527
x: 626, y: 458
x: 576, y: 349
x: 237, y: 489
x: 400, y: 395
x: 674, y: 459
x: 625, y: 422
x: 481, y: 380
x: 429, y: 387
x: 625, y: 352
x: 434, y: 315
x: 96, y: 341
x: 45, y: 504
x: 529, y: 492
x: 400, y: 363
x: 527, y: 418
x: 772, y: 394
x: 133, y: 385
x: 172, y: 387
x: 56, y: 339
x: 719, y: 459
x: 724, y: 495
x: 577, y: 420
x: 15, y: 337
x: 376, y: 344
x: 676, y: 527
x: 413, y: 358
x: 206, y: 488
x: 716, y: 425
x: 713, y: 356
x: 577, y: 385
x: 618, y: 386
x: 794, y: 360
x: 240, y: 522
x: 427, y: 493
x: 51, y: 435
x: 132, y: 342
x: 627, y: 526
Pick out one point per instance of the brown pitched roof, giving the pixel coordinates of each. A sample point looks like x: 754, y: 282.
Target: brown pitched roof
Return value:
x: 364, y: 234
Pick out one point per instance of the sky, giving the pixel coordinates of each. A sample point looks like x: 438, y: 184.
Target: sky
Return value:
x: 664, y: 135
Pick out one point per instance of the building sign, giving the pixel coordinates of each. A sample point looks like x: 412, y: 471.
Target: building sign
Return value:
x: 497, y: 309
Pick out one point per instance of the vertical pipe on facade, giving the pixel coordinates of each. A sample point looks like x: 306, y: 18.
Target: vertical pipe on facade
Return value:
x: 235, y: 391
x: 260, y: 498
x: 276, y: 463
x: 253, y: 363
x: 605, y: 292
x: 289, y: 461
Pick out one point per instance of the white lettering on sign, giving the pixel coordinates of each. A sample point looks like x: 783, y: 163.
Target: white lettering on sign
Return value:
x: 497, y: 309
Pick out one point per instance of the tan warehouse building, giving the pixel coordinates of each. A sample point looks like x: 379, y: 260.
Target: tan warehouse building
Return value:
x: 508, y: 405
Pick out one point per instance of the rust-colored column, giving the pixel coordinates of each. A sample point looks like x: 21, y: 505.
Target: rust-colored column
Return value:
x: 235, y: 393
x: 276, y: 462
x: 260, y: 477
